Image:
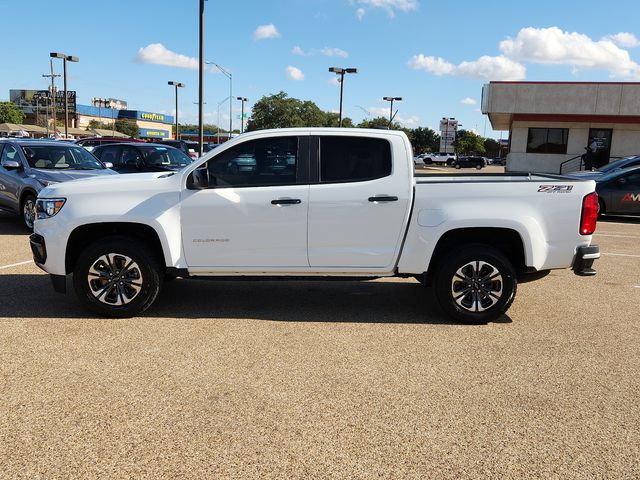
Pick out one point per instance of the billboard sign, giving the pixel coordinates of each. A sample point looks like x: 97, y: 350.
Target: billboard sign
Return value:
x: 29, y: 101
x: 448, y: 127
x: 109, y: 103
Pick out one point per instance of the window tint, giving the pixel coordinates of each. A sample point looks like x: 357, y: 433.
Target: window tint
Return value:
x: 264, y: 162
x: 109, y: 154
x: 547, y: 140
x: 353, y: 159
x: 633, y: 179
x: 131, y: 158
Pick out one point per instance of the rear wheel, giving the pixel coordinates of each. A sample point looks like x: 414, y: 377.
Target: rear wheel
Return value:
x: 457, y: 165
x: 478, y: 167
x: 601, y: 207
x: 117, y: 277
x: 475, y: 284
x: 29, y: 211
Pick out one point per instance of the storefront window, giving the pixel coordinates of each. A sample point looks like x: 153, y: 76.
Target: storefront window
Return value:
x: 547, y: 140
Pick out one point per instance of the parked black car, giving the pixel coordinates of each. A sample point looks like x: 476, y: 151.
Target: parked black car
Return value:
x: 142, y: 157
x: 468, y: 162
x: 619, y: 191
x: 191, y: 148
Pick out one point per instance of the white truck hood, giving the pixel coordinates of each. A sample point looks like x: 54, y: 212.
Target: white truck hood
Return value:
x: 110, y: 183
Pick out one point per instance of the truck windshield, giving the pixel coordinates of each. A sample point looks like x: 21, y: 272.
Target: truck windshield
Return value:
x: 60, y: 157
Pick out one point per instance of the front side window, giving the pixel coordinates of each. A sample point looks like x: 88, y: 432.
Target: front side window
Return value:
x: 109, y: 154
x: 547, y: 140
x: 9, y: 154
x: 353, y: 159
x: 131, y: 157
x: 263, y: 162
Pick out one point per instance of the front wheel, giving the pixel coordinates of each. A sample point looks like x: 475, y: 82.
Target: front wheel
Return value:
x: 117, y: 277
x: 457, y: 165
x: 475, y: 284
x: 29, y: 211
x: 478, y: 167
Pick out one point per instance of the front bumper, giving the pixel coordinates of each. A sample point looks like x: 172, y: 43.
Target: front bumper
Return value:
x: 583, y: 261
x: 38, y: 248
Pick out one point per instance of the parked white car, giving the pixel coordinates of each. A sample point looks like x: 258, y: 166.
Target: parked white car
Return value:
x: 316, y: 202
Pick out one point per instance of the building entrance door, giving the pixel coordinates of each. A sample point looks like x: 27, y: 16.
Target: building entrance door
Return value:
x: 603, y: 139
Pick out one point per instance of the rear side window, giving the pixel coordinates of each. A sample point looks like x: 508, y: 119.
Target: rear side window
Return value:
x: 109, y: 154
x: 353, y: 159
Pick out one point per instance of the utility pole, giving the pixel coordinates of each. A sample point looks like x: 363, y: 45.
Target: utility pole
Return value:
x: 201, y: 81
x: 52, y: 96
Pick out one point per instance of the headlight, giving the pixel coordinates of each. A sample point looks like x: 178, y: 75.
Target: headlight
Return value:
x: 46, y: 183
x: 48, y: 207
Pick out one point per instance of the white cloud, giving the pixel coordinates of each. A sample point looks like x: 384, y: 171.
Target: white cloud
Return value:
x: 553, y: 46
x: 468, y: 101
x: 485, y: 68
x: 409, y: 122
x: 294, y: 73
x: 334, y: 52
x: 298, y: 51
x: 266, y: 31
x: 624, y: 39
x: 334, y: 81
x: 158, y: 54
x: 389, y: 5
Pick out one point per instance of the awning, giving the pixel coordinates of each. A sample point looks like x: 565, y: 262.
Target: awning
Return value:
x: 10, y: 127
x: 101, y: 132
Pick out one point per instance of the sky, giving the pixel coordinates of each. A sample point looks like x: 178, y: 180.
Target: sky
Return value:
x: 435, y: 55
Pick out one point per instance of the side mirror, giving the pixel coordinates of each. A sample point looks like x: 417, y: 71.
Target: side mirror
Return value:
x: 199, y: 178
x: 108, y: 165
x: 11, y: 165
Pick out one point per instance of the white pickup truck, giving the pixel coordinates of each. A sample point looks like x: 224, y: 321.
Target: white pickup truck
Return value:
x: 314, y: 202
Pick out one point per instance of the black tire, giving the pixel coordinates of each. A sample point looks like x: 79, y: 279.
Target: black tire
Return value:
x: 457, y: 165
x: 478, y: 167
x: 28, y: 211
x: 602, y: 209
x: 103, y: 263
x: 484, y: 301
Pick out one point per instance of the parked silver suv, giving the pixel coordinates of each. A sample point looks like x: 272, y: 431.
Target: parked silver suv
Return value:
x: 27, y: 166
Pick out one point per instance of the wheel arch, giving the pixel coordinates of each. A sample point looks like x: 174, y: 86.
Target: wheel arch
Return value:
x: 84, y: 235
x: 506, y: 240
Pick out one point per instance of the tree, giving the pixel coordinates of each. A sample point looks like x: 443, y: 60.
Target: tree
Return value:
x: 379, y: 122
x: 10, y: 113
x: 96, y: 124
x: 332, y: 119
x: 282, y: 111
x: 127, y: 128
x: 469, y: 143
x: 491, y: 147
x: 424, y: 140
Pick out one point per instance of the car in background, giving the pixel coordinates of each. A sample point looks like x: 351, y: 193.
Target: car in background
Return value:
x: 469, y: 162
x: 619, y: 191
x: 497, y: 161
x: 626, y: 162
x: 441, y: 158
x: 27, y: 166
x: 91, y: 143
x: 189, y: 147
x: 142, y: 157
x: 420, y: 159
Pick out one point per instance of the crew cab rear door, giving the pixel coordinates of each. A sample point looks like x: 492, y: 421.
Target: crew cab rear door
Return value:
x: 359, y: 201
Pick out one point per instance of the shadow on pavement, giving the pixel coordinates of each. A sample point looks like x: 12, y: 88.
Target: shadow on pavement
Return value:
x: 31, y: 296
x: 11, y: 224
x: 619, y: 219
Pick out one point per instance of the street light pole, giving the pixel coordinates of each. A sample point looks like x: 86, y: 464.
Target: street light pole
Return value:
x: 391, y: 114
x: 177, y: 85
x: 229, y: 75
x: 341, y: 71
x: 65, y: 58
x: 242, y: 99
x: 52, y: 97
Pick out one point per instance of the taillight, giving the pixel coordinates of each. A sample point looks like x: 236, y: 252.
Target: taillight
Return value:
x: 589, y: 214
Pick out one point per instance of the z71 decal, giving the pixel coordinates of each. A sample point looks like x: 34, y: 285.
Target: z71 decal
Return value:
x: 555, y: 188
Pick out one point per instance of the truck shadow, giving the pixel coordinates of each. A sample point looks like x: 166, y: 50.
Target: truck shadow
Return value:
x: 11, y: 224
x: 31, y: 296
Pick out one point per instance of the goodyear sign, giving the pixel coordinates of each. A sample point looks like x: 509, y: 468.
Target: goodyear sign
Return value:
x: 154, y: 117
x: 146, y: 116
x: 152, y: 133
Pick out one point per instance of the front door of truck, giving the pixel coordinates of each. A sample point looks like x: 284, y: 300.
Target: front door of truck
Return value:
x: 254, y: 213
x: 359, y: 202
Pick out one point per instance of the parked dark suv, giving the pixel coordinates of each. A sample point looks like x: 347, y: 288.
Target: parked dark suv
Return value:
x: 142, y: 157
x: 91, y: 143
x: 27, y: 166
x: 469, y: 162
x: 191, y: 148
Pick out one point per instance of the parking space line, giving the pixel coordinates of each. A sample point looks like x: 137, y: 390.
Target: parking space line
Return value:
x: 2, y: 267
x: 615, y: 235
x: 621, y: 255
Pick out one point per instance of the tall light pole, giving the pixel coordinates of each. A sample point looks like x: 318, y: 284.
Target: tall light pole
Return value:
x: 341, y: 71
x: 201, y: 81
x: 218, y: 122
x: 52, y: 97
x: 391, y: 114
x: 230, y: 77
x: 242, y: 99
x: 65, y: 59
x: 177, y: 85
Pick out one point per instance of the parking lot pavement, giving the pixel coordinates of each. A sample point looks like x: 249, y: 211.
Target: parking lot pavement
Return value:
x: 323, y: 379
